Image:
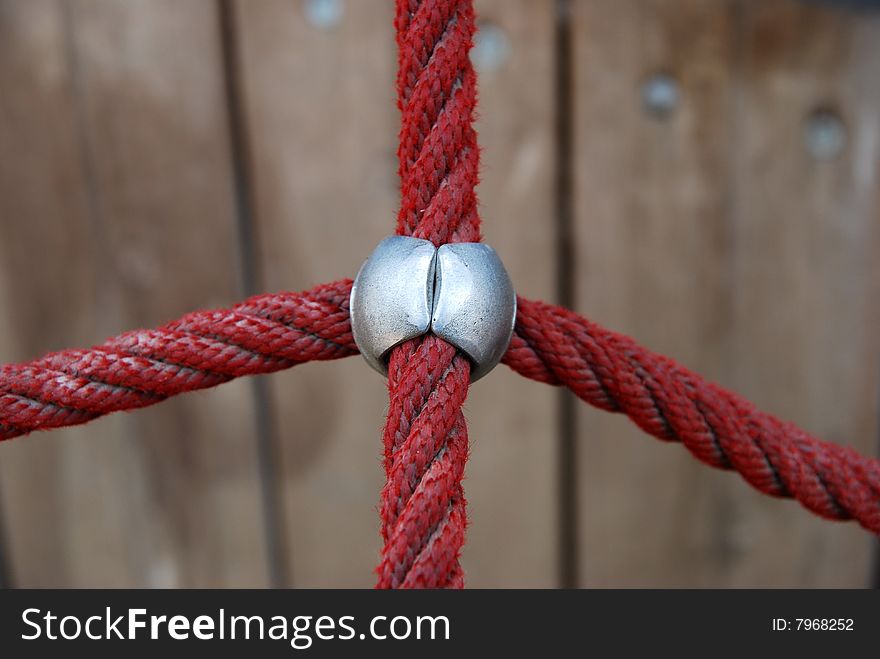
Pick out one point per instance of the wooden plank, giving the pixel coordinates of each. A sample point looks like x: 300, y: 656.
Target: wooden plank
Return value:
x: 805, y: 272
x: 698, y: 234
x: 41, y: 185
x: 121, y: 215
x: 323, y: 129
x: 319, y: 108
x: 650, y: 210
x: 510, y: 478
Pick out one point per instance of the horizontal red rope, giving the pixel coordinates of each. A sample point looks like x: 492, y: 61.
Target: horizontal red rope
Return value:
x: 550, y: 344
x: 263, y: 334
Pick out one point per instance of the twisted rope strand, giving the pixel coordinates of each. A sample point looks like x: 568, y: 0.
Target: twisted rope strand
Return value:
x: 550, y: 344
x: 425, y: 439
x: 721, y: 428
x: 263, y: 334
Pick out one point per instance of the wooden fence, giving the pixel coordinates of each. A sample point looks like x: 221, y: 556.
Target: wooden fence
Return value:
x: 703, y: 175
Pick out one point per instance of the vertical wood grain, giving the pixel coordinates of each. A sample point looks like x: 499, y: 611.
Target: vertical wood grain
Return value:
x: 319, y: 107
x: 510, y: 479
x: 117, y: 213
x: 712, y: 236
x: 650, y: 202
x: 805, y: 273
x: 320, y: 104
x: 45, y: 214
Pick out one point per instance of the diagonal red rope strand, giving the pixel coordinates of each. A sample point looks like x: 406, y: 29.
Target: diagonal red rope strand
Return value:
x: 722, y: 429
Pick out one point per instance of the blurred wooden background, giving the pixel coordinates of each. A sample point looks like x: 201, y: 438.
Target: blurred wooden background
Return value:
x: 706, y: 172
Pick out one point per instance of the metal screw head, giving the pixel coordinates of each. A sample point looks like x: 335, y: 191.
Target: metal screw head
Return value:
x: 824, y: 135
x: 491, y: 48
x: 660, y: 94
x: 324, y: 14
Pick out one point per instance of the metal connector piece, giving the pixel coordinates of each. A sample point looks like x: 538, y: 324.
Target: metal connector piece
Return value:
x: 461, y: 292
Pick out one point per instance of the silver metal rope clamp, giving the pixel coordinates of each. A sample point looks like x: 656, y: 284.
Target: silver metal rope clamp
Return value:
x: 460, y: 292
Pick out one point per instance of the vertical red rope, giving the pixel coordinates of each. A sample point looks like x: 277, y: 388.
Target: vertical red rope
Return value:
x: 426, y: 443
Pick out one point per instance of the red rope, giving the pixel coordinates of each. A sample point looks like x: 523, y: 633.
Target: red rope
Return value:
x: 263, y: 334
x: 666, y: 400
x: 426, y: 445
x: 423, y: 508
x: 550, y: 344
